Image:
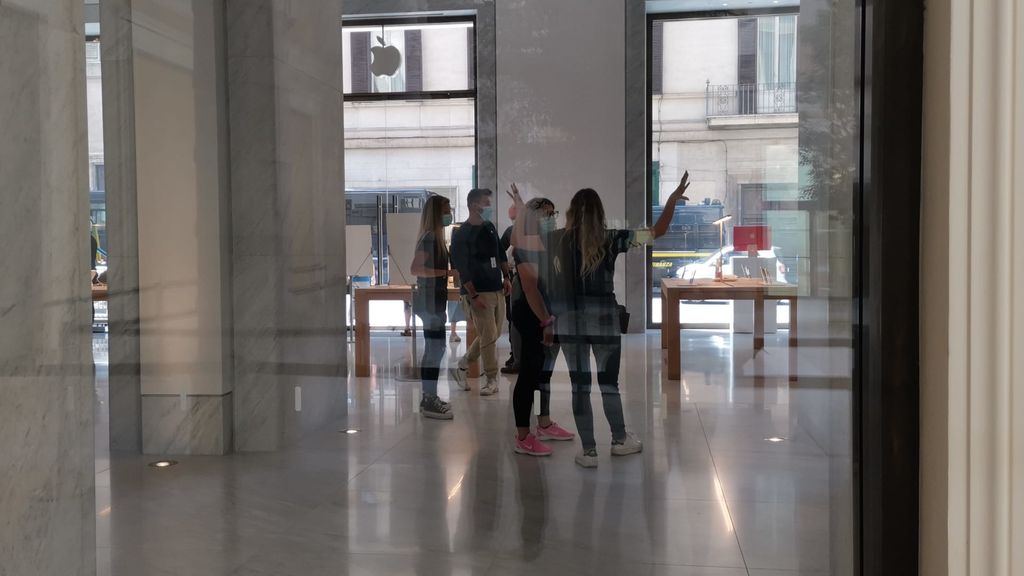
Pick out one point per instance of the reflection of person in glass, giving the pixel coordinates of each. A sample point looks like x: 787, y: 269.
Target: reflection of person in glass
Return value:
x: 535, y: 324
x: 430, y: 266
x: 589, y: 317
x: 512, y: 364
x: 483, y: 272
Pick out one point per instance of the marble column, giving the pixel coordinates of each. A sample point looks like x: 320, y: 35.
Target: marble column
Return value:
x: 553, y: 141
x: 288, y: 218
x: 125, y: 386
x: 183, y: 222
x: 637, y: 275
x: 47, y: 479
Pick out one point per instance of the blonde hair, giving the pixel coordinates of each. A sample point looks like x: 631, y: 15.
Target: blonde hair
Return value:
x: 585, y: 227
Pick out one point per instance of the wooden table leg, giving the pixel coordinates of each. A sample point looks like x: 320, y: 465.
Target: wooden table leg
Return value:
x: 794, y: 341
x: 758, y: 323
x: 670, y: 332
x: 362, y: 306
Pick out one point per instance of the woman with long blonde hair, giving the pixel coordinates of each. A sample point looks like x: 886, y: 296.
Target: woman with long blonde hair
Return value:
x: 430, y: 265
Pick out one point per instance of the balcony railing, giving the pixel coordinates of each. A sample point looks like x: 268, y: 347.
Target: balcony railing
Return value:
x: 749, y: 99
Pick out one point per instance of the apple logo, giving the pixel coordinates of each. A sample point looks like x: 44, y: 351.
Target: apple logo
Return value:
x: 386, y: 59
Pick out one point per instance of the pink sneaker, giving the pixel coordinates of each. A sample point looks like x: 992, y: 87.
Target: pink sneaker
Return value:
x: 554, y: 432
x: 531, y: 445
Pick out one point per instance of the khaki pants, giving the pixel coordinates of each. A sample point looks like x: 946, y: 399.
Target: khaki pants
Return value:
x: 488, y: 321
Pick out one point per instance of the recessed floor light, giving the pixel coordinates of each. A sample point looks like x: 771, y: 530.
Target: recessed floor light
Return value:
x: 163, y: 463
x: 351, y: 431
x: 775, y: 439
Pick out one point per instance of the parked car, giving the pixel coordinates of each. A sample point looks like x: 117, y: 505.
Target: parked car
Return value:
x: 706, y: 268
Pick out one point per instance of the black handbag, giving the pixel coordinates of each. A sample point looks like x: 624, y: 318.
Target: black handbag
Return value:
x: 623, y: 319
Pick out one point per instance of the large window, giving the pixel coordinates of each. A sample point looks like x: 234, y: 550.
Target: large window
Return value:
x: 723, y: 107
x: 410, y: 131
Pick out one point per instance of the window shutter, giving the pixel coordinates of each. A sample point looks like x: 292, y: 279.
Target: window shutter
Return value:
x: 657, y: 56
x: 360, y: 51
x: 413, y: 61
x: 746, y: 66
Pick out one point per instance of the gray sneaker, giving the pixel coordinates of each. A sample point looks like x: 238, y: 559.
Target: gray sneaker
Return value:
x: 628, y: 445
x: 490, y: 388
x: 459, y: 375
x: 433, y: 407
x: 587, y: 458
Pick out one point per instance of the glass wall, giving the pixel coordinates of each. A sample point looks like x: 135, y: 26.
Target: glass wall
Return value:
x: 762, y: 108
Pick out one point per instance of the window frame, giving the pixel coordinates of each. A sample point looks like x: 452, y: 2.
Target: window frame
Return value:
x: 652, y: 18
x: 384, y: 21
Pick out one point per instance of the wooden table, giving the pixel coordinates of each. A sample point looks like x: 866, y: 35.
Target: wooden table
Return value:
x: 100, y: 292
x: 675, y: 289
x: 362, y: 297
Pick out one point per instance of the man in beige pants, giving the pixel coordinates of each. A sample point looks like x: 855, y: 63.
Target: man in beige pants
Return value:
x: 484, y: 273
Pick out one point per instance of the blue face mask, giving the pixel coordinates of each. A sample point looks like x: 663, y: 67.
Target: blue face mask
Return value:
x: 547, y: 225
x: 446, y: 220
x: 487, y: 213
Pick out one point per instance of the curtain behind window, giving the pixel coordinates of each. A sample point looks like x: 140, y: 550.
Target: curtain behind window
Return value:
x: 787, y: 49
x: 766, y: 57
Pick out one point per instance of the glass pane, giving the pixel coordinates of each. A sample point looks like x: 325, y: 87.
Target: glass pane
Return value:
x: 780, y: 177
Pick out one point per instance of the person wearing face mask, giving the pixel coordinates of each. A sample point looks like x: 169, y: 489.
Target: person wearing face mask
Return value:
x: 532, y: 317
x: 430, y: 300
x: 484, y: 276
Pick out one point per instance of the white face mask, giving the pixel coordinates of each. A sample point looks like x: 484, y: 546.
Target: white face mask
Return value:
x: 487, y: 213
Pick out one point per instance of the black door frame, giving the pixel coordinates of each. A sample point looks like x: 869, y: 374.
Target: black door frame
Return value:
x: 888, y: 252
x: 886, y: 373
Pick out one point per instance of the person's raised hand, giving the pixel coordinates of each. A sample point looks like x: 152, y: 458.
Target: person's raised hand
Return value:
x: 680, y: 191
x: 516, y: 197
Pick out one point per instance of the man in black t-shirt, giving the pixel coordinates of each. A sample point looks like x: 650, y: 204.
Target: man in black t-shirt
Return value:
x: 484, y: 273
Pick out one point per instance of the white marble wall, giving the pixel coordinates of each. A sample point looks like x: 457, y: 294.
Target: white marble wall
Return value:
x: 47, y: 481
x: 285, y: 89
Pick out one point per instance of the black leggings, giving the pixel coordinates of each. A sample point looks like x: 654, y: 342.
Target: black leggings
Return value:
x: 535, y: 365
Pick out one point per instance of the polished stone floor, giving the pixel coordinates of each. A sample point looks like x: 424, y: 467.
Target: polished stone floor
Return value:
x: 709, y: 496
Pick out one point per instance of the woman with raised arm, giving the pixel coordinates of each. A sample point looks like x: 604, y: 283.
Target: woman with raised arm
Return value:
x: 430, y: 301
x: 533, y: 320
x: 583, y: 258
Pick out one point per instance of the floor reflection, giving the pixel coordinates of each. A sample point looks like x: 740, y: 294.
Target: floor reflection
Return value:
x: 710, y: 495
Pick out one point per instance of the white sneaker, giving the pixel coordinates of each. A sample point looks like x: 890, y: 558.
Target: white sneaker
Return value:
x: 628, y: 445
x: 459, y: 375
x: 490, y: 388
x: 587, y: 458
